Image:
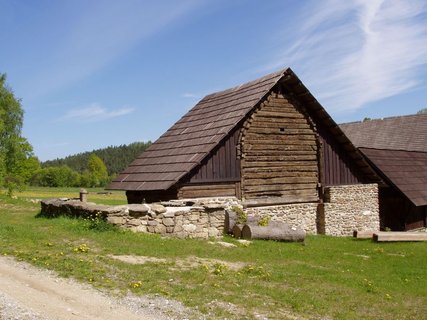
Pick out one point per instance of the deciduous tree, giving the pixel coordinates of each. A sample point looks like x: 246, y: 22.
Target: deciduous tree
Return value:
x: 16, y: 154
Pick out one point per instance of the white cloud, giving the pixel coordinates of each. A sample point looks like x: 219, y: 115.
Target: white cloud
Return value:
x: 95, y: 113
x: 351, y: 53
x: 189, y: 95
x: 101, y: 32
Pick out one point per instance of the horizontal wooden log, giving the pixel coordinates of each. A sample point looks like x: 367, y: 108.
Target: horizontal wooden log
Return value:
x: 289, y: 157
x: 278, y: 104
x: 263, y: 135
x: 399, y: 236
x: 274, y: 231
x: 281, y: 187
x: 278, y: 124
x: 305, y: 195
x: 207, y: 190
x: 286, y: 151
x: 365, y: 234
x: 287, y: 115
x: 276, y: 130
x: 306, y: 170
x: 275, y: 201
x: 281, y: 181
x: 282, y: 108
x: 298, y: 145
x: 288, y: 121
x: 255, y: 153
x: 268, y: 174
x: 280, y: 164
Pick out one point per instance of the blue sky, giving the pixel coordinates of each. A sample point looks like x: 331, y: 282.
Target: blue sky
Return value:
x: 97, y: 73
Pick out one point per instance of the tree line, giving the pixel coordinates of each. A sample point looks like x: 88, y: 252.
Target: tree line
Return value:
x: 20, y: 167
x: 115, y: 158
x: 88, y: 169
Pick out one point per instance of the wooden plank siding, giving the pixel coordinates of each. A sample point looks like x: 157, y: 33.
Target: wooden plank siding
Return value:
x: 217, y: 175
x: 222, y: 165
x: 339, y: 169
x: 279, y: 152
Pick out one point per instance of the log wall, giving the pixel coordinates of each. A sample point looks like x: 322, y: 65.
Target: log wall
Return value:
x: 279, y: 152
x: 207, y: 190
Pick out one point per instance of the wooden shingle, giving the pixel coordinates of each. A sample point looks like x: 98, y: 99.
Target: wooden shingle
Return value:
x: 397, y: 147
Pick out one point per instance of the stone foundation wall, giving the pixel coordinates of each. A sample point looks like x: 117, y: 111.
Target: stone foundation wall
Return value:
x: 345, y: 208
x: 352, y: 207
x: 197, y: 220
x: 298, y: 215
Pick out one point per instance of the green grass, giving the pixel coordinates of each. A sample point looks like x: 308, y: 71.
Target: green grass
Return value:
x: 97, y: 195
x: 338, y: 278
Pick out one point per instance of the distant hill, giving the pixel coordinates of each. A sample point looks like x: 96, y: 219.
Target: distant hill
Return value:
x: 115, y: 158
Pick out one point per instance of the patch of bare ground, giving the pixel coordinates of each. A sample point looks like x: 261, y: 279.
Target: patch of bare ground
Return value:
x: 187, y: 263
x: 31, y: 293
x: 16, y: 208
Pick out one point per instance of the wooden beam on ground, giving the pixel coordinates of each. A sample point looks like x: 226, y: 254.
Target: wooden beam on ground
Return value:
x: 366, y: 234
x: 399, y: 236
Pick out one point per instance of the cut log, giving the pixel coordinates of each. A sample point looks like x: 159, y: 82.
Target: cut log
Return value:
x: 366, y: 234
x: 230, y: 221
x: 237, y: 231
x: 274, y: 231
x: 399, y: 236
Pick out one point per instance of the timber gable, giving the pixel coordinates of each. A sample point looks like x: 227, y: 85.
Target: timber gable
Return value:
x: 279, y: 152
x: 268, y: 138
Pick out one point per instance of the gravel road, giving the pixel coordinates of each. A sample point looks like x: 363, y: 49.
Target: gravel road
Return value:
x: 30, y: 293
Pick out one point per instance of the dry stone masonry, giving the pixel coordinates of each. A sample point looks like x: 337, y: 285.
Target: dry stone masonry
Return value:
x: 351, y: 207
x: 182, y: 219
x: 298, y: 215
x: 345, y: 209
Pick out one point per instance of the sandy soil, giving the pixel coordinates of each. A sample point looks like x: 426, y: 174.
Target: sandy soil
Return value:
x: 29, y: 293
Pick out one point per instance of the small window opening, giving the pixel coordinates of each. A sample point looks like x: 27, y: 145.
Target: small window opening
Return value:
x: 282, y: 129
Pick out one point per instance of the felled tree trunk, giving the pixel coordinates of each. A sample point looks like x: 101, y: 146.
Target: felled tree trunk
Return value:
x: 279, y: 231
x: 237, y: 231
x: 232, y: 225
x: 230, y: 221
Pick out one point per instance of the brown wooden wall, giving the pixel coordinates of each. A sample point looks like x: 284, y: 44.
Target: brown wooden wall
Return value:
x: 398, y: 213
x: 279, y: 152
x: 338, y: 167
x: 227, y: 189
x: 222, y: 165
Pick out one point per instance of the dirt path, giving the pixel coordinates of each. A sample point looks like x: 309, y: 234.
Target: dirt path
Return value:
x: 41, y: 293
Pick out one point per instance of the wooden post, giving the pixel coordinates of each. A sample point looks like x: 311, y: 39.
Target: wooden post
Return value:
x: 83, y: 195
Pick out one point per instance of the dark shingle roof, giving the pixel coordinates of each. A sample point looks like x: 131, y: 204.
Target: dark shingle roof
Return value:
x: 397, y: 147
x: 197, y: 133
x: 407, y: 170
x: 397, y: 133
x: 190, y: 139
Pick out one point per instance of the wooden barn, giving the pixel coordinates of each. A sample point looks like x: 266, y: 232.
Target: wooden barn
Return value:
x: 267, y: 141
x: 397, y: 149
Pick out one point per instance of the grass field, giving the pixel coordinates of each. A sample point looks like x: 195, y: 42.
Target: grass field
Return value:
x: 97, y: 195
x: 327, y: 277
